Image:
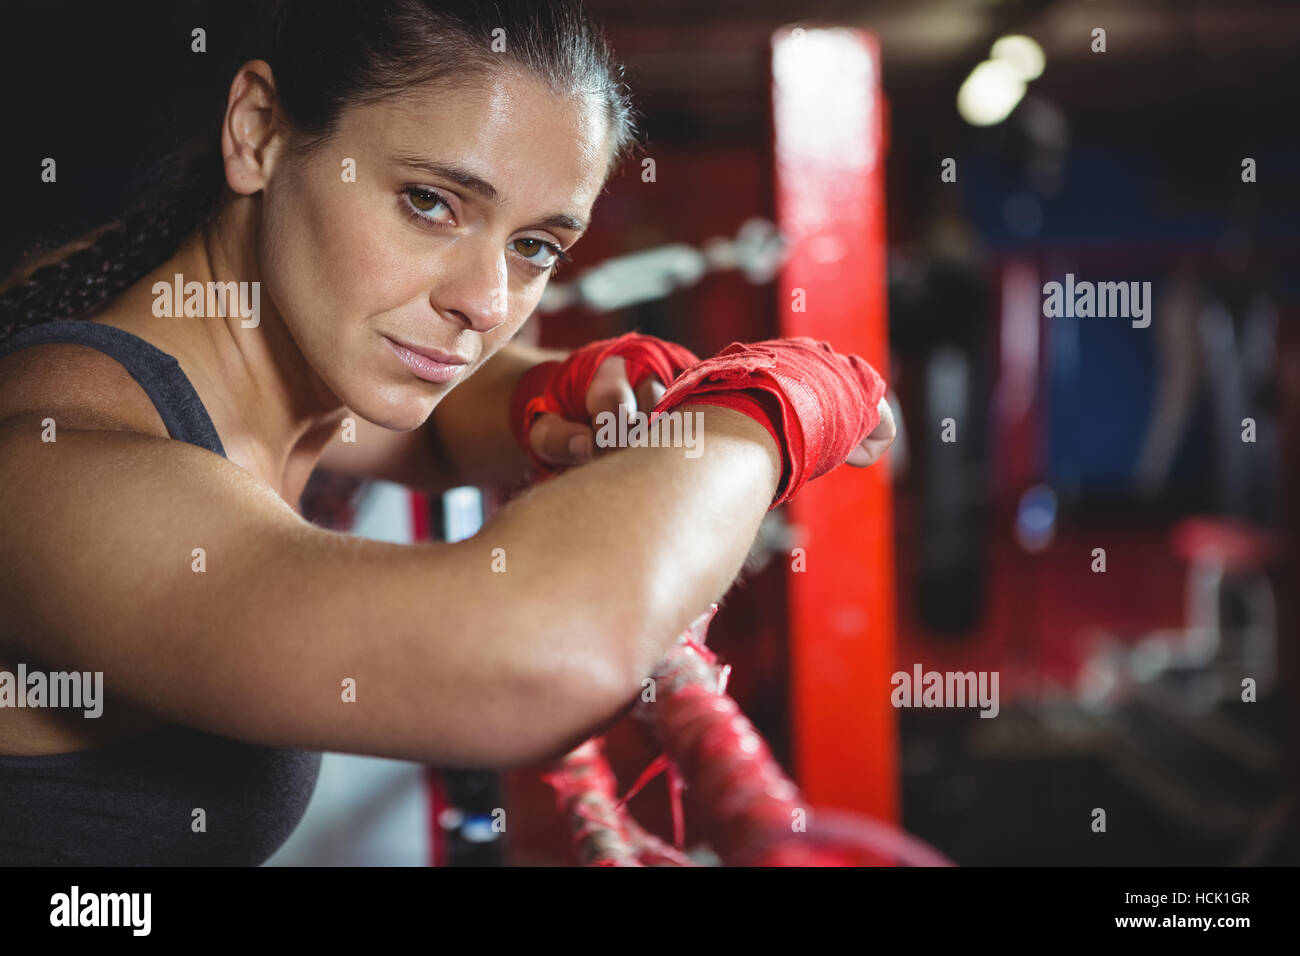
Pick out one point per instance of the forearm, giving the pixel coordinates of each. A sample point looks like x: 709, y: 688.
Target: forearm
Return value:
x: 471, y: 425
x: 646, y: 538
x: 570, y: 595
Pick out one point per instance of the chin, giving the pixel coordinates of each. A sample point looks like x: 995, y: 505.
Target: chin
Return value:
x: 407, y: 417
x: 397, y: 408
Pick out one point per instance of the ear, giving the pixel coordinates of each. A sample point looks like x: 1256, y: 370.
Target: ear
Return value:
x: 251, y: 132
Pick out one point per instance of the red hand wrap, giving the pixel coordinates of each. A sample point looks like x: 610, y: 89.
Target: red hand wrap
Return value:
x: 561, y: 386
x: 817, y: 404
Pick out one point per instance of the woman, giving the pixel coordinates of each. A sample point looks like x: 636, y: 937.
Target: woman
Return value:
x: 394, y: 184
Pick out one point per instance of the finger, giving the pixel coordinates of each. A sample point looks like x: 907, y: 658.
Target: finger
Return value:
x: 649, y: 392
x: 878, y: 441
x: 886, y: 430
x: 611, y: 393
x: 560, y: 442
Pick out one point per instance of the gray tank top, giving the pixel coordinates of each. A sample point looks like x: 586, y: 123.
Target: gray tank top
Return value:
x: 133, y: 802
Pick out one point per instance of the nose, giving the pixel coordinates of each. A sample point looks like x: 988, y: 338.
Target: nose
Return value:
x: 473, y: 286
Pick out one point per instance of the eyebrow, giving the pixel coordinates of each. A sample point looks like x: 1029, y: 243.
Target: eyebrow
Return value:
x: 480, y: 186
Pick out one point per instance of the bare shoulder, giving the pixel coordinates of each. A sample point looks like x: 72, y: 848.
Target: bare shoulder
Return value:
x: 76, y: 385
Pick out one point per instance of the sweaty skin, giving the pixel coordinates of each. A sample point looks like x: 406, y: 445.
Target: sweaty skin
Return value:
x: 460, y: 664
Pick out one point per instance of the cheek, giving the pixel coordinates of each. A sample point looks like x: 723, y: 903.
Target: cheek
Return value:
x: 329, y: 261
x: 520, y: 309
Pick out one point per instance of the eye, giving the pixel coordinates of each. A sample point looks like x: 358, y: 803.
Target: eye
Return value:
x: 538, y: 252
x: 423, y: 201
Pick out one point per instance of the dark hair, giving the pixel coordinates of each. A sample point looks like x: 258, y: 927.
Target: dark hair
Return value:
x: 325, y: 56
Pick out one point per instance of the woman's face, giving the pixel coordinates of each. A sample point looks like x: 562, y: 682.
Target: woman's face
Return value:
x: 430, y: 222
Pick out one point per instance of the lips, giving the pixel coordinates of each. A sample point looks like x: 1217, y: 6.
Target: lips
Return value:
x: 430, y: 365
x: 436, y: 355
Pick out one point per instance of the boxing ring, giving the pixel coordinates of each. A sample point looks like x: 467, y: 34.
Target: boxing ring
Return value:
x: 752, y: 814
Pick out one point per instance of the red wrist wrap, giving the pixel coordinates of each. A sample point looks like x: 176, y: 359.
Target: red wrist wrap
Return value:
x: 530, y: 385
x: 817, y: 404
x: 561, y: 386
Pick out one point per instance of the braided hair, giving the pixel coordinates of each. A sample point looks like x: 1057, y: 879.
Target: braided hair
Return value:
x: 121, y: 252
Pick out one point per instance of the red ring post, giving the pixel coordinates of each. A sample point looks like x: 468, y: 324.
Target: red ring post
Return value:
x: 829, y: 142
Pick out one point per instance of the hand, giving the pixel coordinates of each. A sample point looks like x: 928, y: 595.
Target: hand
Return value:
x: 555, y: 405
x: 820, y: 407
x: 562, y: 443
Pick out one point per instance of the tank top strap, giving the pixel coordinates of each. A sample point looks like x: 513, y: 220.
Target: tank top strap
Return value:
x: 158, y: 373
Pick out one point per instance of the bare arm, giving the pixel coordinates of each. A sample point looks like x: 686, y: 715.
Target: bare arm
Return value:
x: 453, y: 661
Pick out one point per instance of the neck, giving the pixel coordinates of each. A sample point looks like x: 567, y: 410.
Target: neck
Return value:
x: 273, y: 412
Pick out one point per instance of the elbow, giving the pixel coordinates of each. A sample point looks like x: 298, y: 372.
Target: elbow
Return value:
x: 569, y: 691
x: 571, y: 656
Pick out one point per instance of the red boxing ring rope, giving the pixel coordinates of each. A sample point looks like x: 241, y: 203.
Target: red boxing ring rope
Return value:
x: 753, y: 814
